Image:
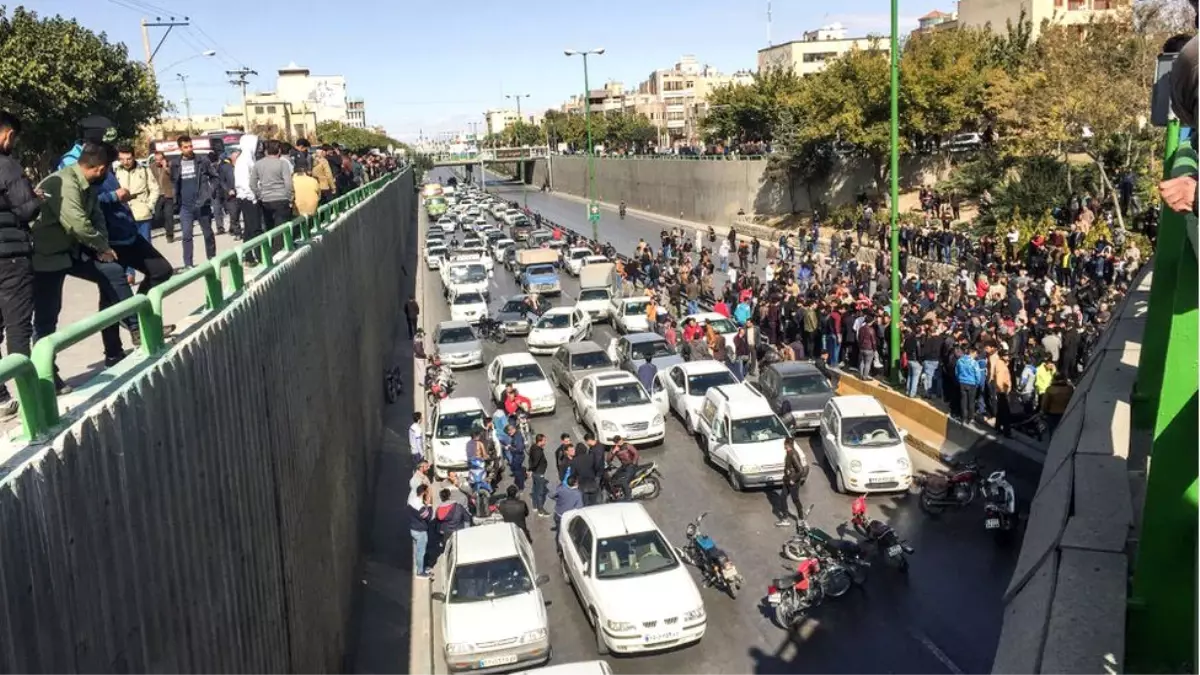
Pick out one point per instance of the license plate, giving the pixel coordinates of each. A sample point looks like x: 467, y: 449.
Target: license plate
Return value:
x: 497, y: 661
x: 664, y: 636
x: 774, y: 599
x: 992, y: 524
x: 894, y: 550
x: 879, y: 480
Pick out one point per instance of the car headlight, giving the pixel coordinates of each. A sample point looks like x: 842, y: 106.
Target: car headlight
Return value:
x: 533, y: 636
x: 605, y: 425
x: 455, y: 648
x: 902, y: 462
x: 856, y: 466
x: 695, y: 614
x: 657, y: 421
x: 618, y: 626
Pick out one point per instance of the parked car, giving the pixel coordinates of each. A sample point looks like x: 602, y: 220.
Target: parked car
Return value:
x: 457, y: 345
x: 864, y: 447
x: 630, y: 351
x: 522, y: 371
x: 575, y: 360
x: 687, y: 383
x: 454, y: 419
x: 797, y: 392
x: 557, y: 327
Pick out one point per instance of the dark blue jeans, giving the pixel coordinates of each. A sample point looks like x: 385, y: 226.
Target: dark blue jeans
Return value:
x: 517, y: 466
x: 189, y: 216
x: 539, y: 491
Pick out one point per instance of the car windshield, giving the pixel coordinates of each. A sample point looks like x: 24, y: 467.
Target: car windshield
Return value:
x: 451, y: 336
x: 435, y: 250
x: 620, y: 395
x: 458, y: 424
x: 654, y: 349
x: 513, y: 306
x: 468, y: 273
x: 535, y: 270
x: 632, y: 308
x: 467, y: 299
x: 800, y: 385
x: 758, y: 429
x: 866, y: 431
x: 525, y: 372
x: 554, y: 321
x: 699, y: 384
x: 590, y: 361
x: 493, y: 236
x: 723, y: 326
x: 632, y: 555
x: 490, y: 580
x: 580, y: 254
x: 593, y: 294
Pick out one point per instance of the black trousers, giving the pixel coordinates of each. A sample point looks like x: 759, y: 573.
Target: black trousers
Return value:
x: 234, y: 207
x: 967, y: 393
x: 164, y: 217
x: 275, y: 214
x: 789, y: 492
x: 110, y: 281
x: 252, y: 217
x: 143, y: 257
x: 16, y: 307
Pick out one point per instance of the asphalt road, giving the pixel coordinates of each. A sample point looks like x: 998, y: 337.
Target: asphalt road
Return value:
x: 944, y: 617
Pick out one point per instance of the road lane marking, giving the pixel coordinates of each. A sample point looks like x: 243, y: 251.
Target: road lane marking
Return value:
x: 933, y: 649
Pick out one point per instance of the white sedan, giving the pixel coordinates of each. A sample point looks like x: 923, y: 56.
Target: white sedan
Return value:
x: 687, y: 383
x: 522, y: 371
x: 614, y: 403
x: 635, y: 591
x: 573, y: 259
x: 468, y: 306
x: 557, y: 327
x: 454, y: 420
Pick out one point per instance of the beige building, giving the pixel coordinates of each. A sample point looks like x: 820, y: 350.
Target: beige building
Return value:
x: 325, y: 96
x: 272, y: 116
x: 936, y: 21
x: 809, y: 54
x: 499, y: 120
x: 999, y: 13
x: 676, y: 99
x: 170, y: 127
x: 356, y: 113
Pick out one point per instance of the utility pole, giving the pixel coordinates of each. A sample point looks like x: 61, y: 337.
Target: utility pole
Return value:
x: 169, y: 23
x: 768, y: 23
x: 894, y: 353
x: 241, y: 81
x: 187, y: 102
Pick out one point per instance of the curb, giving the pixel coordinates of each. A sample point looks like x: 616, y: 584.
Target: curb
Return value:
x: 422, y: 651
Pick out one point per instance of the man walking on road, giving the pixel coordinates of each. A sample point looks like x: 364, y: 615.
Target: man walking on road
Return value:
x: 537, y: 466
x: 195, y: 180
x: 271, y: 178
x: 587, y: 467
x: 247, y: 203
x: 19, y: 206
x: 514, y: 510
x: 412, y: 312
x: 164, y: 208
x: 416, y: 439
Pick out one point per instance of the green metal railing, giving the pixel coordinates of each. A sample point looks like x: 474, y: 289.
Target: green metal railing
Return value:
x: 35, y: 377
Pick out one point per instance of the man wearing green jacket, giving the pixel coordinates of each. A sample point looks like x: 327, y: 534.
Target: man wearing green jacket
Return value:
x: 70, y: 239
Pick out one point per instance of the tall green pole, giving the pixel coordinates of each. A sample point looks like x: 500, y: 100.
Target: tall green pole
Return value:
x: 591, y: 155
x: 894, y: 353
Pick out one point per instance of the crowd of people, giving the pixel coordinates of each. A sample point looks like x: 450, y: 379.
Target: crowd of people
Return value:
x: 92, y: 217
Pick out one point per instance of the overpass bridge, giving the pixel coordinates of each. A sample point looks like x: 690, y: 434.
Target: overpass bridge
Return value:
x: 490, y: 156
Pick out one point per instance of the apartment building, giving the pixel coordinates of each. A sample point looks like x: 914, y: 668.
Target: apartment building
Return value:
x: 810, y: 53
x: 273, y: 116
x: 999, y: 13
x: 936, y: 21
x: 676, y: 99
x: 499, y: 120
x: 356, y: 113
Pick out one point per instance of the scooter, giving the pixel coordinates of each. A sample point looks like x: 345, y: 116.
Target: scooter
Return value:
x: 891, y: 548
x: 953, y: 490
x: 1000, y: 505
x: 792, y: 597
x: 714, y: 564
x: 645, y: 485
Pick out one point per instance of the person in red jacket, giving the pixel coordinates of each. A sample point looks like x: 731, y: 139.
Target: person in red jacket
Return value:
x: 513, y: 400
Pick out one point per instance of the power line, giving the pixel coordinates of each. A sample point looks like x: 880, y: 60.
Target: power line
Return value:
x: 220, y: 48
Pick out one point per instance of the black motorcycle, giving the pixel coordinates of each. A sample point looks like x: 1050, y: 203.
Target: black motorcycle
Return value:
x: 716, y: 567
x: 891, y: 548
x: 646, y: 483
x: 493, y: 330
x: 844, y: 563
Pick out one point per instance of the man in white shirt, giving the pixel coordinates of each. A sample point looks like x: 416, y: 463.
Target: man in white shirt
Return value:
x: 416, y: 439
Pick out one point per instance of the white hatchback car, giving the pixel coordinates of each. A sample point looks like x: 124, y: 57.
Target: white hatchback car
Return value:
x: 687, y: 383
x: 453, y: 420
x: 523, y: 372
x: 494, y: 616
x: 573, y: 259
x: 628, y: 315
x: 863, y: 446
x: 636, y: 593
x: 615, y: 403
x: 469, y: 306
x: 557, y: 327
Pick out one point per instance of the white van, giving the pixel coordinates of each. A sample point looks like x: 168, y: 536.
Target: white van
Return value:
x: 738, y: 432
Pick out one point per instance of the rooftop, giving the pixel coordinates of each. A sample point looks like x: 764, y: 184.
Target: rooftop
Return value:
x: 617, y: 519
x: 859, y: 405
x: 485, y: 542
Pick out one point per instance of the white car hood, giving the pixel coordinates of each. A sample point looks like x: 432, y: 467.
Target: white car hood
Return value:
x: 491, y: 620
x: 758, y: 454
x: 876, y: 458
x: 651, y: 597
x: 636, y: 323
x: 478, y: 307
x: 534, y: 391
x: 588, y: 305
x: 642, y: 412
x: 451, y: 448
x: 550, y: 335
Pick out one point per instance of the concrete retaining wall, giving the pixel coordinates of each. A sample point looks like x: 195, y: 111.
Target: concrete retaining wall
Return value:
x: 711, y: 192
x: 207, y: 516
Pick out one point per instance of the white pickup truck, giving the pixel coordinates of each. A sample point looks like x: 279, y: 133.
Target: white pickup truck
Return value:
x: 596, y: 290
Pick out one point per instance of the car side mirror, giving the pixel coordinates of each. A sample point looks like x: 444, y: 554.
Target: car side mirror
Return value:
x: 438, y: 595
x: 587, y: 569
x: 542, y: 580
x: 829, y: 438
x: 903, y: 434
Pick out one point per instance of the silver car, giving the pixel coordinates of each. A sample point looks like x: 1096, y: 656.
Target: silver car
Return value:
x: 576, y: 360
x: 457, y: 345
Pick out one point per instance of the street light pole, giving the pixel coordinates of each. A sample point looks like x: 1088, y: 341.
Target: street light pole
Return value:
x: 187, y: 102
x: 593, y: 209
x: 894, y: 353
x: 520, y: 163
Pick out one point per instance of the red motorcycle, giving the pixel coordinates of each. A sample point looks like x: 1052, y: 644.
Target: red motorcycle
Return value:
x: 891, y: 548
x: 956, y: 489
x: 792, y: 597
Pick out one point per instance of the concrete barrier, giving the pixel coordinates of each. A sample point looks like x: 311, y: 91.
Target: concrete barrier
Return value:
x: 207, y: 515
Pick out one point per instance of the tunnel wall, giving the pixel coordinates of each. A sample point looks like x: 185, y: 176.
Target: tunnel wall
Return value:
x: 712, y: 191
x: 207, y: 517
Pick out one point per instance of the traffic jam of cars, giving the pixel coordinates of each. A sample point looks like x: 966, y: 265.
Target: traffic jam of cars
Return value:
x: 640, y: 589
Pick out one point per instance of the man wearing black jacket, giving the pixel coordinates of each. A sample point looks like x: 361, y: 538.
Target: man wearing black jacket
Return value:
x: 225, y: 196
x: 537, y: 467
x: 19, y: 206
x: 588, y: 468
x: 195, y: 180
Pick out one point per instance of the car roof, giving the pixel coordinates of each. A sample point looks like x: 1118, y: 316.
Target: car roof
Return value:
x: 858, y: 405
x: 639, y: 338
x: 582, y: 347
x: 581, y: 249
x: 558, y: 310
x: 443, y: 325
x: 485, y: 542
x: 516, y: 359
x: 705, y: 317
x: 459, y: 404
x: 702, y: 366
x: 612, y: 377
x: 617, y: 519
x: 793, y: 367
x: 743, y: 401
x: 635, y: 298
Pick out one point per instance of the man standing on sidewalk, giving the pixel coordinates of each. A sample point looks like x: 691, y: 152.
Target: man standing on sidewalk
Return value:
x: 412, y: 313
x: 271, y: 178
x: 195, y: 180
x: 164, y: 208
x: 224, y: 198
x: 416, y: 439
x: 247, y: 203
x: 324, y: 174
x: 19, y: 206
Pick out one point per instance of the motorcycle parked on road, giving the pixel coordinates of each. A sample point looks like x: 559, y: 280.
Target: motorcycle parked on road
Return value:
x: 844, y: 563
x: 715, y: 565
x: 493, y: 330
x: 439, y: 382
x: 1000, y: 505
x: 645, y: 485
x: 888, y: 544
x: 953, y: 490
x: 792, y: 597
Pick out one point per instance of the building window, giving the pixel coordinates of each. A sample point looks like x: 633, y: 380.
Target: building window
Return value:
x: 270, y: 110
x: 818, y: 57
x: 258, y: 110
x: 1058, y: 4
x: 1076, y: 5
x: 689, y: 85
x: 299, y: 130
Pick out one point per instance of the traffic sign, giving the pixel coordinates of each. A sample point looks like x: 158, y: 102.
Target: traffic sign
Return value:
x: 594, y: 213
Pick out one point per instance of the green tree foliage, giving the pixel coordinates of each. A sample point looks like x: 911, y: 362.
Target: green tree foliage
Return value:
x: 944, y: 80
x: 354, y: 139
x: 743, y: 113
x: 54, y: 72
x: 627, y: 131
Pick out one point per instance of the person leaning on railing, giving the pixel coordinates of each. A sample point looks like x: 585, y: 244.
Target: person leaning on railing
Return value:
x: 19, y: 206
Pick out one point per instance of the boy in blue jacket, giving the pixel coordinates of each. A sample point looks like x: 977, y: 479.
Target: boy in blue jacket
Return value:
x: 969, y: 376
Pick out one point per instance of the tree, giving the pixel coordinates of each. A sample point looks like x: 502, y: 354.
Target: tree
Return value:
x: 747, y: 113
x: 626, y: 131
x: 944, y: 78
x: 54, y: 72
x: 353, y: 138
x: 797, y: 158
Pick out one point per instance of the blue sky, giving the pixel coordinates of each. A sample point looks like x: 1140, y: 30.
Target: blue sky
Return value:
x: 434, y: 66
